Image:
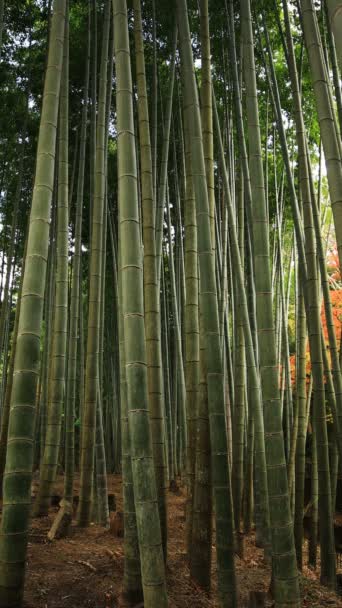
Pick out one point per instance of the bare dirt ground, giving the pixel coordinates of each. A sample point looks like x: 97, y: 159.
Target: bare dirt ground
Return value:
x: 85, y: 570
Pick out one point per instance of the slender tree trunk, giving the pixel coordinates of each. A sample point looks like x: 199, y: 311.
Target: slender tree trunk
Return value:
x: 151, y: 295
x: 75, y: 298
x: 161, y: 199
x: 261, y: 494
x: 327, y: 122
x: 209, y: 307
x: 192, y: 354
x: 206, y: 113
x: 334, y: 66
x: 48, y: 318
x: 335, y: 15
x: 240, y: 384
x: 95, y: 293
x: 49, y: 463
x: 132, y: 592
x: 5, y: 412
x: 284, y: 567
x: 167, y: 388
x: 255, y: 390
x: 302, y: 427
x: 154, y: 99
x: 9, y: 256
x: 93, y: 93
x: 100, y: 485
x: 308, y: 270
x: 144, y: 484
x: 313, y: 538
x: 200, y: 527
x: 18, y: 472
x: 180, y: 378
x: 2, y: 10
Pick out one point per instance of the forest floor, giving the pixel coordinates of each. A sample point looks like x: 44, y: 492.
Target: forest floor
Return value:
x: 85, y: 570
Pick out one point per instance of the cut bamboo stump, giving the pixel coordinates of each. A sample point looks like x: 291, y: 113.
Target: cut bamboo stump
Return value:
x: 116, y: 526
x: 257, y: 599
x: 61, y: 525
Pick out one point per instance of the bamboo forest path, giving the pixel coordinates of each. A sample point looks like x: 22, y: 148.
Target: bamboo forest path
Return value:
x: 85, y: 570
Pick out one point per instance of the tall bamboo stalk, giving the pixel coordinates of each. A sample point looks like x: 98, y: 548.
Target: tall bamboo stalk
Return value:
x: 131, y: 264
x: 284, y: 567
x: 49, y: 462
x: 151, y: 295
x: 209, y: 307
x: 18, y: 472
x: 325, y: 111
x: 75, y: 298
x: 95, y: 293
x: 335, y: 15
x: 309, y: 278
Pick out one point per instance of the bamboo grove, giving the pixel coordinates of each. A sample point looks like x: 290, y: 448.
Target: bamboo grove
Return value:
x: 170, y: 245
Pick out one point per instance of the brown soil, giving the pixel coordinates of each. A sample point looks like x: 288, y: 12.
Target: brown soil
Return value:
x: 86, y: 569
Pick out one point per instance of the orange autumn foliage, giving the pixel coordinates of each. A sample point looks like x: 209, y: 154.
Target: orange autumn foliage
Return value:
x: 336, y: 301
x: 333, y: 264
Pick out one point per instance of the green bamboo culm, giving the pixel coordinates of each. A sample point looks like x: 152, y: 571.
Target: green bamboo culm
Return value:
x: 199, y: 495
x: 48, y: 318
x: 240, y: 387
x: 301, y: 438
x: 75, y: 299
x: 48, y: 469
x: 191, y: 354
x: 206, y: 113
x: 8, y: 391
x: 151, y: 294
x: 19, y: 461
x: 6, y: 398
x: 311, y: 295
x: 325, y: 111
x: 131, y: 591
x: 284, y: 567
x: 161, y: 195
x: 199, y: 501
x: 261, y: 494
x: 334, y: 64
x: 307, y: 257
x: 12, y: 243
x: 227, y: 588
x: 131, y: 585
x: 131, y: 271
x: 95, y: 293
x: 335, y: 16
x: 2, y: 9
x: 254, y: 378
x: 102, y: 403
